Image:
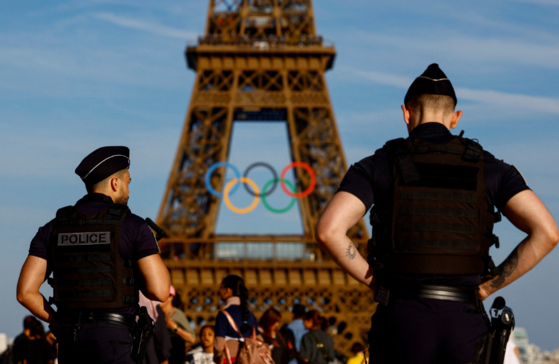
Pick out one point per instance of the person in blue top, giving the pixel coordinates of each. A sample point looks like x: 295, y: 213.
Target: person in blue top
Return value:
x: 235, y: 294
x: 298, y: 327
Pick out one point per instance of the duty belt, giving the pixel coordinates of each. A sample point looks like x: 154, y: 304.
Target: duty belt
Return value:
x: 433, y: 291
x: 96, y: 317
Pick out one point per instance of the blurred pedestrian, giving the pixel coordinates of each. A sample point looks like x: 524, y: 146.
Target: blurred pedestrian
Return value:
x: 512, y: 353
x: 235, y: 294
x: 269, y: 326
x: 297, y: 328
x: 204, y: 353
x: 179, y: 328
x: 20, y: 342
x: 317, y: 345
x: 39, y: 351
x: 358, y: 351
x: 54, y: 344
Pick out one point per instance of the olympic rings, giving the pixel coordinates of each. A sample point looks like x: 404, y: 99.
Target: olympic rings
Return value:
x: 252, y: 206
x: 275, y: 179
x: 264, y: 194
x: 311, y: 185
x: 232, y: 186
x: 212, y: 168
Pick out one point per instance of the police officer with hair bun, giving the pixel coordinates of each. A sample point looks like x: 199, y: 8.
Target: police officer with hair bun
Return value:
x: 100, y: 256
x: 434, y: 196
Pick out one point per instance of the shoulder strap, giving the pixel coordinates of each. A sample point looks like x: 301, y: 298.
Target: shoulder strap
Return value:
x: 232, y: 322
x: 227, y: 354
x: 473, y: 151
x: 63, y: 212
x: 117, y: 212
x: 399, y: 152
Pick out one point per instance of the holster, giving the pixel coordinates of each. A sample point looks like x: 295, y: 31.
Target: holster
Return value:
x: 483, y: 349
x: 491, y: 347
x: 141, y: 335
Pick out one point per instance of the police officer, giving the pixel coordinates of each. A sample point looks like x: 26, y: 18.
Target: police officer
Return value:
x: 434, y: 195
x: 100, y: 254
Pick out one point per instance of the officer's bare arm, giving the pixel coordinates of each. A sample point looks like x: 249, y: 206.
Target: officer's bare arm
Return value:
x: 33, y: 274
x: 156, y: 277
x: 341, y: 214
x: 528, y: 213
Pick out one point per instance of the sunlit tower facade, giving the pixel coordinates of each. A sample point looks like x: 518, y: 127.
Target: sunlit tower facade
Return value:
x: 260, y: 60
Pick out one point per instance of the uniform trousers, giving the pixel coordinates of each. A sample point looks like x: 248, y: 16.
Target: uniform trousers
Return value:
x: 425, y: 331
x: 100, y: 343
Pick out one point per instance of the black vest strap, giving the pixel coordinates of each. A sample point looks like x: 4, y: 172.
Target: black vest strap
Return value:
x: 68, y: 222
x: 437, y: 211
x: 85, y: 282
x: 63, y: 212
x: 442, y: 228
x: 129, y: 299
x: 85, y: 258
x: 399, y: 151
x: 437, y: 244
x: 473, y: 151
x: 88, y: 270
x: 128, y: 281
x: 421, y: 149
x: 90, y: 294
x: 438, y: 196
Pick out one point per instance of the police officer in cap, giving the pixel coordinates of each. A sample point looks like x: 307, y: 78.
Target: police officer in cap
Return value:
x: 100, y: 255
x: 434, y: 196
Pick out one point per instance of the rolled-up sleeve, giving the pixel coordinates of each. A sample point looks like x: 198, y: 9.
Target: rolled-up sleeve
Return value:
x: 359, y: 181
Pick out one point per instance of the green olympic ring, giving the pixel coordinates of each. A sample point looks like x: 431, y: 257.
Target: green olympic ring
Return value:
x: 263, y: 195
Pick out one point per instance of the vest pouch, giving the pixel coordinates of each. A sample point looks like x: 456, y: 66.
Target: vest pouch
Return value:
x: 436, y: 222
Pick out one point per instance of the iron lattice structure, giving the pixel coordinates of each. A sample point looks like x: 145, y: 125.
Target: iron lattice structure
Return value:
x: 260, y: 60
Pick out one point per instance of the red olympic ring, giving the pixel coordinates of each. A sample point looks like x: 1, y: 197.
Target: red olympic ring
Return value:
x: 311, y: 185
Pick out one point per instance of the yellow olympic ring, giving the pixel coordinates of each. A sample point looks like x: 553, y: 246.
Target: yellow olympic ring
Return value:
x: 252, y: 206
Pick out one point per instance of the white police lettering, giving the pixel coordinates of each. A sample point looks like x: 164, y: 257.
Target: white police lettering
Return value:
x: 93, y: 238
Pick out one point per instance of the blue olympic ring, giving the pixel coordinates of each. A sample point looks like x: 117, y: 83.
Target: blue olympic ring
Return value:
x: 215, y: 166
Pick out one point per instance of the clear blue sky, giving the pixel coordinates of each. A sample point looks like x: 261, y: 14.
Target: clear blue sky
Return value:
x: 76, y: 75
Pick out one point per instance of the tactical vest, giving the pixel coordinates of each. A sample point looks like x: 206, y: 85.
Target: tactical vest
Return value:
x: 437, y: 220
x: 88, y: 270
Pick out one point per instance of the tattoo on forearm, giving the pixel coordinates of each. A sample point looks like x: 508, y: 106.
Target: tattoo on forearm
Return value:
x: 507, y: 268
x: 351, y: 251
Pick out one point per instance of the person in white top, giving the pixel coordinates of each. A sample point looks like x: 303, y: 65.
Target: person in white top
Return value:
x: 204, y: 353
x: 512, y: 354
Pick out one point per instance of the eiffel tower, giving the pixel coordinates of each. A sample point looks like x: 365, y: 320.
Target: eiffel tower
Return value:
x: 260, y: 60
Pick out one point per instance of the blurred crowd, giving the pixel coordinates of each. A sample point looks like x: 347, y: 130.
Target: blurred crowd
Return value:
x: 303, y: 340
x: 32, y: 346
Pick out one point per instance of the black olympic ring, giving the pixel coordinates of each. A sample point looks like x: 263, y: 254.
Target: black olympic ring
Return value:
x: 261, y: 164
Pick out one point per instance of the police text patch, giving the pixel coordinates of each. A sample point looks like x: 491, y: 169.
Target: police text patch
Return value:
x: 94, y: 238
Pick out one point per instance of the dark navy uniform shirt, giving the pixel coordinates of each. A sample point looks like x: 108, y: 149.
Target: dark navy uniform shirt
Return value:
x: 369, y: 180
x: 136, y: 240
x: 224, y: 329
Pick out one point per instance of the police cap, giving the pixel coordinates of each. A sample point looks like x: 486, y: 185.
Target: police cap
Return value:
x: 103, y: 163
x: 433, y: 81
